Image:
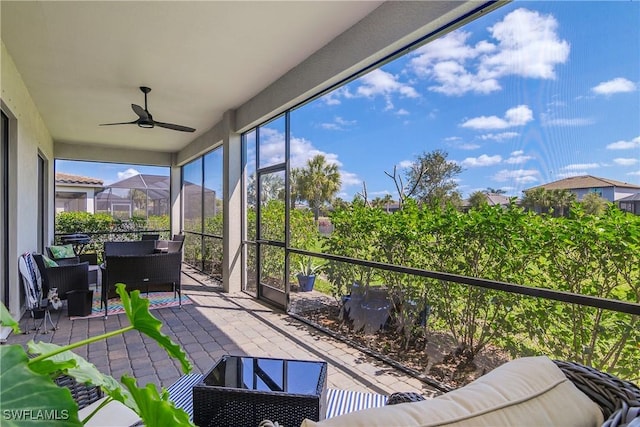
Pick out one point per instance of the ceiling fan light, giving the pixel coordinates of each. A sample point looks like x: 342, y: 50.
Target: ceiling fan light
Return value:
x: 145, y: 124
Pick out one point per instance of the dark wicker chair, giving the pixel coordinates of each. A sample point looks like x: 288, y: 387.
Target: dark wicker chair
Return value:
x: 619, y: 400
x: 83, y: 394
x: 70, y: 277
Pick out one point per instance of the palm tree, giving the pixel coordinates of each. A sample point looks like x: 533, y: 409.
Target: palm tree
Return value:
x: 562, y: 199
x: 317, y: 183
x: 491, y: 190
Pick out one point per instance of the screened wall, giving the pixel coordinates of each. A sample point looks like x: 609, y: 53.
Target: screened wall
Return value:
x: 203, y: 212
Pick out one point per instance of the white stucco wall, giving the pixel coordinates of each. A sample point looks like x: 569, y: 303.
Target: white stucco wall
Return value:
x: 31, y: 137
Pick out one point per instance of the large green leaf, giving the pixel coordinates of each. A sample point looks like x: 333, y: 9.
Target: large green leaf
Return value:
x: 7, y: 320
x: 28, y: 398
x: 80, y: 369
x: 137, y: 310
x: 155, y: 410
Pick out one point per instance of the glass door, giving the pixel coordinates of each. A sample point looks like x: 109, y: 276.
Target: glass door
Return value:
x: 271, y: 233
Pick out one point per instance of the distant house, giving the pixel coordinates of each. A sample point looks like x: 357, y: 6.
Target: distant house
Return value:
x: 493, y: 199
x: 138, y: 195
x: 630, y: 204
x: 608, y: 189
x: 75, y: 193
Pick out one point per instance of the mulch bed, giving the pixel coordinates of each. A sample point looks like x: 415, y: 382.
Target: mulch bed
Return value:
x: 434, y: 356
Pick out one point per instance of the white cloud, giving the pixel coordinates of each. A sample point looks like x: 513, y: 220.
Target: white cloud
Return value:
x: 524, y: 43
x: 517, y: 158
x: 349, y: 179
x: 301, y: 150
x: 520, y: 176
x: 338, y: 124
x: 625, y: 161
x: 516, y: 116
x: 482, y: 160
x: 380, y: 82
x: 469, y: 146
x: 570, y: 174
x: 528, y: 46
x: 617, y: 85
x: 405, y: 164
x: 581, y: 166
x: 625, y: 145
x: 499, y: 136
x: 634, y: 173
x: 577, y: 121
x: 127, y: 174
x: 402, y: 112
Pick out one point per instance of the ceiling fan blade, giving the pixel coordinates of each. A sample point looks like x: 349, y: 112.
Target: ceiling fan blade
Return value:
x: 174, y: 127
x: 121, y: 123
x: 141, y: 112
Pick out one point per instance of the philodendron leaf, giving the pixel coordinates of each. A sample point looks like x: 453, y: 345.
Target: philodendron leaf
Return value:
x: 28, y: 398
x: 7, y: 320
x: 155, y: 410
x: 137, y: 310
x: 80, y: 369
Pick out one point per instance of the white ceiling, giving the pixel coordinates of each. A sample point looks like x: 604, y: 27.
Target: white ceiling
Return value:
x: 83, y: 61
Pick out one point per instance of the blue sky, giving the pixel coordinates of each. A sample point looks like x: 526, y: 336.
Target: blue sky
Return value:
x: 530, y: 93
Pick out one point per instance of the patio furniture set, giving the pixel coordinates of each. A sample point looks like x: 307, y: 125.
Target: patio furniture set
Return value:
x: 249, y: 391
x: 65, y: 273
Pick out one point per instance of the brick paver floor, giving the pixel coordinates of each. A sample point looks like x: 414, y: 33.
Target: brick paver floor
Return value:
x: 217, y: 324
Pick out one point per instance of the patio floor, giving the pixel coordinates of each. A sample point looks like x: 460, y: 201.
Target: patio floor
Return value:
x: 217, y: 324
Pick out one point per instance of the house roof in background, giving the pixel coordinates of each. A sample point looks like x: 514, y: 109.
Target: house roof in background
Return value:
x: 497, y: 199
x: 631, y: 198
x: 584, y: 181
x: 143, y: 182
x: 65, y: 178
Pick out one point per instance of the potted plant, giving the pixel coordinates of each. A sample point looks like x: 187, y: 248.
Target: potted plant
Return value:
x: 307, y: 271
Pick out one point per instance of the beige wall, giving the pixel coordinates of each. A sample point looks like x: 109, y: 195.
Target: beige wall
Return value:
x: 30, y: 137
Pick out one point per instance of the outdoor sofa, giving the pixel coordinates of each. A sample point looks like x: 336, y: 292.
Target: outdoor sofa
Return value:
x: 140, y: 267
x: 530, y: 391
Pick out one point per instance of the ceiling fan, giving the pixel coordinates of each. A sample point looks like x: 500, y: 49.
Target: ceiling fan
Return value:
x: 145, y: 119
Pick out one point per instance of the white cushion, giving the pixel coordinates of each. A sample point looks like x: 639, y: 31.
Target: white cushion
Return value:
x: 113, y: 414
x: 530, y: 391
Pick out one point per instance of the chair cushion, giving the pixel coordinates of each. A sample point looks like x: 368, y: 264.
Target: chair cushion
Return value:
x: 62, y: 251
x: 49, y: 262
x: 530, y: 391
x: 114, y: 414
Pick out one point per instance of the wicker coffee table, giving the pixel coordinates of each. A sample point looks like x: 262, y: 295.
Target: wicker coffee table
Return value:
x: 244, y: 390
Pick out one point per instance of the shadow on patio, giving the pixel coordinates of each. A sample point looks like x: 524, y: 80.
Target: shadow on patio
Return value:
x: 217, y: 324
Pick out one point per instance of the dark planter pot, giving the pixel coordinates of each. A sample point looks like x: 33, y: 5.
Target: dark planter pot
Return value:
x: 306, y: 282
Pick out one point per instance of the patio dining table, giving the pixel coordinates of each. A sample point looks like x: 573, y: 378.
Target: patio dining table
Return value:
x: 78, y: 240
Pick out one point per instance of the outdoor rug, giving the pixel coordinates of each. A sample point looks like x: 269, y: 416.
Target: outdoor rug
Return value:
x: 156, y: 300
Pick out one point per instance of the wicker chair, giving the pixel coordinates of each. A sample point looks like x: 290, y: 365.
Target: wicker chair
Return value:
x: 83, y: 394
x: 619, y: 400
x: 69, y: 277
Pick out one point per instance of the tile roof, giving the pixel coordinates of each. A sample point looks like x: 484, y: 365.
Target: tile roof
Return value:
x: 584, y: 181
x: 65, y: 178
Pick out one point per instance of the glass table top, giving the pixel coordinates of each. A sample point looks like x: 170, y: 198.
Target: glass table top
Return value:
x: 266, y: 374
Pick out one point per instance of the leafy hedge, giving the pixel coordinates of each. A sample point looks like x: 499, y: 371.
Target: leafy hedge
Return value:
x: 591, y: 255
x: 103, y: 227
